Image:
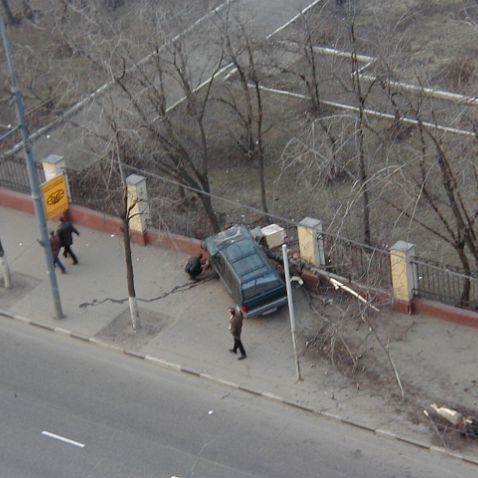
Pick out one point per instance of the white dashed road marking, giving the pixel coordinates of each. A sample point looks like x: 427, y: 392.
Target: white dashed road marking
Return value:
x: 63, y: 439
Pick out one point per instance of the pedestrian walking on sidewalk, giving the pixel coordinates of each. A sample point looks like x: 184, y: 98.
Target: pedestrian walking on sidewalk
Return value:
x: 65, y: 233
x: 55, y: 245
x: 235, y: 327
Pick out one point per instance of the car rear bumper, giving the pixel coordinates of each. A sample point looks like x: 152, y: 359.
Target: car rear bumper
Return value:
x: 264, y: 309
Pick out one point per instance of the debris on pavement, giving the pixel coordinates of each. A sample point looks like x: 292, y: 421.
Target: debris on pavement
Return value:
x: 466, y: 425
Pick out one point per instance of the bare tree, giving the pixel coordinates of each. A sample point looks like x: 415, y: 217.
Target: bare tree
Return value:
x: 174, y: 139
x: 361, y: 98
x: 8, y: 13
x: 438, y: 193
x: 104, y: 182
x: 126, y: 214
x: 242, y: 51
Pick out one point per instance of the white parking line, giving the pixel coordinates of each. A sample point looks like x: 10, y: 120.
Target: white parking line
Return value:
x: 275, y: 32
x: 63, y: 439
x: 293, y: 19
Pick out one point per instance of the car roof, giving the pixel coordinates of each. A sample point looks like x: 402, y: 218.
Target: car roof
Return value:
x: 229, y: 236
x: 238, y: 246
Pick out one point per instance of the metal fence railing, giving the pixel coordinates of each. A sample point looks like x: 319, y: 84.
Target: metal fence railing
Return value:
x: 14, y: 175
x: 354, y: 261
x: 358, y: 262
x: 444, y: 283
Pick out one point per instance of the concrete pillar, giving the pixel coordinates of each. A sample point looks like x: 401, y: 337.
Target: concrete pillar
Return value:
x: 138, y: 195
x: 311, y: 243
x: 404, y: 278
x: 53, y: 165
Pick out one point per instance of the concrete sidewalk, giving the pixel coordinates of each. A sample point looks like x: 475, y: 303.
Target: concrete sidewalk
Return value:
x: 184, y: 326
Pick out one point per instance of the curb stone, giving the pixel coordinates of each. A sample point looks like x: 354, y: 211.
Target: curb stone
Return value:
x: 269, y: 396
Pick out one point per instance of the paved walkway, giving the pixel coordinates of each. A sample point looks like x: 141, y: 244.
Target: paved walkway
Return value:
x: 187, y: 329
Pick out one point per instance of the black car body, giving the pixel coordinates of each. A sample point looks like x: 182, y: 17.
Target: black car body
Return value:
x: 245, y: 271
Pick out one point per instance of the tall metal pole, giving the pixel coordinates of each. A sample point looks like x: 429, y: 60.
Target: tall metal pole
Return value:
x: 7, y: 282
x: 32, y: 173
x: 285, y: 259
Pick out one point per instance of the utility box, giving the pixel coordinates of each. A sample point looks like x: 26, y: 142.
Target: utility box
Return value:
x: 311, y: 243
x: 273, y: 235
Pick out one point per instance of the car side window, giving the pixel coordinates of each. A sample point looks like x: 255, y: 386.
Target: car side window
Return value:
x: 219, y: 260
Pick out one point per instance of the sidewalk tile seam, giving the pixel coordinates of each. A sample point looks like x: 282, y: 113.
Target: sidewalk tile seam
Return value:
x: 298, y: 406
x: 190, y: 372
x: 273, y: 397
x: 6, y: 315
x: 249, y: 390
x: 410, y: 441
x: 15, y: 317
x: 131, y: 353
x: 331, y: 416
x: 105, y: 345
x: 74, y: 335
x: 227, y: 382
x: 42, y: 326
x: 162, y: 362
x: 440, y: 449
x: 385, y: 433
x: 362, y: 426
x: 60, y: 330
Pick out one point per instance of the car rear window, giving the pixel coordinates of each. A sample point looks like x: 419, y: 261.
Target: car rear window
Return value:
x: 259, y: 286
x: 248, y: 264
x: 244, y: 257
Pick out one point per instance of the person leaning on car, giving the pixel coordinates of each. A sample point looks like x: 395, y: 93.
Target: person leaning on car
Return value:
x: 196, y: 265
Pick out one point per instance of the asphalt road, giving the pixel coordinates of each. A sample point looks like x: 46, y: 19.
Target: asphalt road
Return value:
x: 70, y: 409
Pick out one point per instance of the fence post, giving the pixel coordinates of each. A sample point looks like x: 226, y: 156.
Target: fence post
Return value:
x: 139, y: 215
x: 311, y: 243
x: 53, y: 165
x: 404, y: 278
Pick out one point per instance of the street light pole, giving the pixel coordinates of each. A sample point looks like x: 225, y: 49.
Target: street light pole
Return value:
x: 290, y: 301
x: 32, y: 173
x: 7, y: 283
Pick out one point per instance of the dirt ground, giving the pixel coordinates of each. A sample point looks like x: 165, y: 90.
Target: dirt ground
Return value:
x: 57, y: 63
x: 434, y: 41
x: 415, y: 344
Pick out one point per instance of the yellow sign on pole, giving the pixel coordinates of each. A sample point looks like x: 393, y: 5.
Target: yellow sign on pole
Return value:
x: 55, y: 196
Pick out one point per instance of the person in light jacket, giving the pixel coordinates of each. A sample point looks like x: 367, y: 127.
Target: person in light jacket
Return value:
x: 235, y: 327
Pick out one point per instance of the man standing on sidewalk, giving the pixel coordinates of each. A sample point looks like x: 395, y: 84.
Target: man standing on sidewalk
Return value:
x: 235, y: 326
x: 65, y: 233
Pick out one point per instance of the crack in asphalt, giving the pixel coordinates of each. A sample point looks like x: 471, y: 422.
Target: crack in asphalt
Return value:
x: 174, y: 290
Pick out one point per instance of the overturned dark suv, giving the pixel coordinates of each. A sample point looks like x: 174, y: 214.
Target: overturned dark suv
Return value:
x: 245, y: 271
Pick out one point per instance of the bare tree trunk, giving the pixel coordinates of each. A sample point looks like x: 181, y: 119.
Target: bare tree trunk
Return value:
x: 311, y: 82
x: 125, y: 218
x: 11, y: 19
x: 363, y: 175
x: 260, y: 144
x: 133, y: 306
x: 211, y: 213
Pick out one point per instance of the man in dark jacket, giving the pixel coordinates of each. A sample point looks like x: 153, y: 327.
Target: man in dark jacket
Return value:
x: 235, y: 327
x: 195, y: 266
x: 65, y: 233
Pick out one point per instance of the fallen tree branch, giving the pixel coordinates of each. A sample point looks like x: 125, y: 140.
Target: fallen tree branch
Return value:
x: 339, y: 285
